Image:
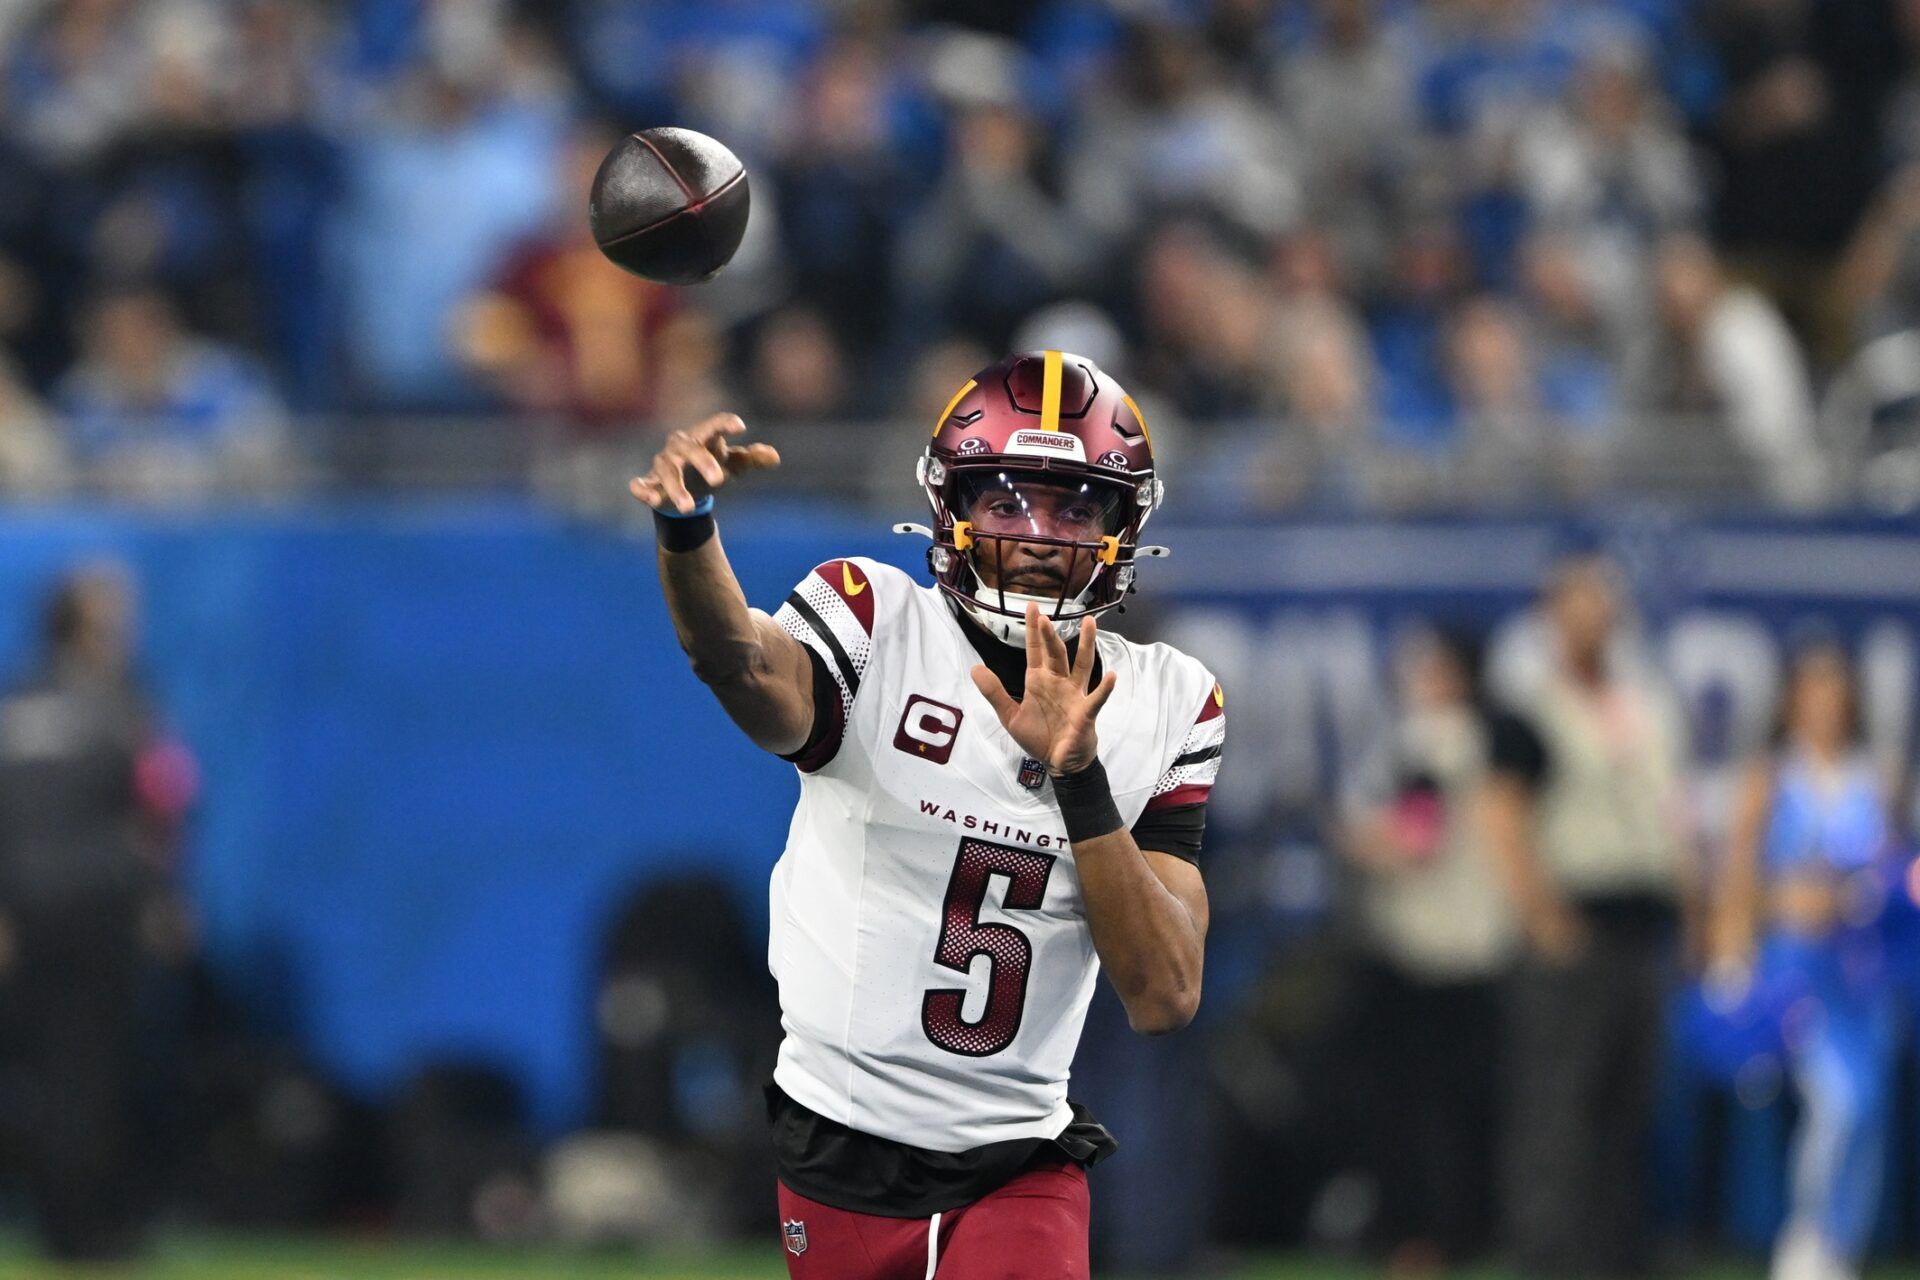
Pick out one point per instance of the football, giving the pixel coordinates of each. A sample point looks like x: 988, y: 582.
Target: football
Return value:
x: 669, y: 205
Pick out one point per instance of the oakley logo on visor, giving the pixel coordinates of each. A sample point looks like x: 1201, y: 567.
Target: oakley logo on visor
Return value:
x: 972, y: 444
x: 1113, y: 458
x: 927, y: 729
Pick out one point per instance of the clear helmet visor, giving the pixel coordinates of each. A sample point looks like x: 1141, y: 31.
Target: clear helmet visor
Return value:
x: 1041, y: 539
x: 1013, y: 504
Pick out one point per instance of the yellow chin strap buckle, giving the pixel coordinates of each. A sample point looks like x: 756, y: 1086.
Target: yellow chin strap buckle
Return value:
x: 1109, y: 550
x: 962, y: 534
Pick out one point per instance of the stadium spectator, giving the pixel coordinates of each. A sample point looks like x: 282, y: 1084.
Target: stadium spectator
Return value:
x: 171, y: 184
x: 76, y: 76
x: 846, y: 186
x: 1608, y: 168
x: 1438, y: 935
x: 1161, y: 137
x: 798, y: 371
x: 1491, y: 375
x: 474, y: 131
x: 152, y: 409
x: 1480, y: 66
x: 1811, y: 829
x: 1483, y: 71
x: 1326, y: 379
x: 75, y: 893
x: 1583, y: 825
x: 1583, y: 346
x: 1345, y: 95
x: 39, y: 257
x: 33, y: 460
x: 557, y: 333
x: 1407, y: 324
x: 1796, y: 139
x: 991, y: 243
x: 731, y: 70
x: 1208, y: 324
x: 1730, y: 357
x: 1877, y: 281
x: 285, y: 171
x: 694, y: 381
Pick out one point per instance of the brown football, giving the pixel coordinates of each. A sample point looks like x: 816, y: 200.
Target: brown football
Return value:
x: 669, y: 204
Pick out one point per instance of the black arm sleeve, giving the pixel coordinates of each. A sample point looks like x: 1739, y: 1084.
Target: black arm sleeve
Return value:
x: 823, y: 740
x: 1175, y: 829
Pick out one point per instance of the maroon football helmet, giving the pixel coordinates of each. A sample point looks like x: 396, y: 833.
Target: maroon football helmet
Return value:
x: 1043, y: 449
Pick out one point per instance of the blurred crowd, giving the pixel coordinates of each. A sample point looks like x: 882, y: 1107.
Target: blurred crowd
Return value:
x: 1554, y: 954
x: 1505, y: 238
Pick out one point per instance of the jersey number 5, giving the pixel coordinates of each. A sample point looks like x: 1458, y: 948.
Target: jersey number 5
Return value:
x: 963, y: 937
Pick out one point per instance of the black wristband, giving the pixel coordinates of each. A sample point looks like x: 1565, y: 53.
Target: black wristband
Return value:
x: 1086, y: 802
x: 682, y: 533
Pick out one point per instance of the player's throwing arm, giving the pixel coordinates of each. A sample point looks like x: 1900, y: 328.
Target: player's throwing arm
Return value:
x: 759, y: 673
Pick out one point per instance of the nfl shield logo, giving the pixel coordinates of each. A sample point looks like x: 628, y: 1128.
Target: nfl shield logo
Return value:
x: 1032, y: 773
x: 796, y: 1233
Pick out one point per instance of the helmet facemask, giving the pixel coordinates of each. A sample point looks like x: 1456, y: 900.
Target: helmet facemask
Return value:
x: 1008, y: 536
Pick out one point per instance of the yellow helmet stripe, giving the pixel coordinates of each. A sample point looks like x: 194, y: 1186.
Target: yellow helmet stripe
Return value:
x: 952, y: 404
x: 1138, y: 417
x: 1050, y: 394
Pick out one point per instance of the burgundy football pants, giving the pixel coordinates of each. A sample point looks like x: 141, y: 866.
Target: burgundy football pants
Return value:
x: 1033, y: 1228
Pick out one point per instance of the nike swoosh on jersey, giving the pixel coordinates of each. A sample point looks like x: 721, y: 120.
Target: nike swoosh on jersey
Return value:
x: 847, y: 580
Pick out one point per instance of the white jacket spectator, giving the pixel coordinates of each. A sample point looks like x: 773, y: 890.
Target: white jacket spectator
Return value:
x: 1734, y: 356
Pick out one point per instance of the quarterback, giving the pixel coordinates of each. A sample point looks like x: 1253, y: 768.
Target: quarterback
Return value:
x: 997, y: 800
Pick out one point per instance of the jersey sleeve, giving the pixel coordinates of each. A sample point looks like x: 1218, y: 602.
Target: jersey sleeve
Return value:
x: 1176, y: 814
x: 831, y: 612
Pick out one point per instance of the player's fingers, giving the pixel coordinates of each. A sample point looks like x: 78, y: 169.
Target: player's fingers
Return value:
x: 1056, y: 648
x: 1101, y: 692
x: 643, y: 488
x: 752, y: 457
x: 666, y: 474
x: 717, y: 427
x: 995, y: 693
x: 1036, y: 648
x: 1083, y: 658
x: 691, y: 453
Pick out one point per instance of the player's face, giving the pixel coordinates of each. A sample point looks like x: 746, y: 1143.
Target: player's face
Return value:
x: 1015, y: 508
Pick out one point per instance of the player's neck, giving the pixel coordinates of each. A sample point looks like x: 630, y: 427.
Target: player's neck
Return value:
x: 1007, y: 661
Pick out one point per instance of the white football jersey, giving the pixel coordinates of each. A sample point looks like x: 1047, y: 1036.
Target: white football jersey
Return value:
x: 928, y: 935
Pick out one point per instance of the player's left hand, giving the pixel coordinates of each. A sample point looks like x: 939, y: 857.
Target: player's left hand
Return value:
x: 1054, y: 722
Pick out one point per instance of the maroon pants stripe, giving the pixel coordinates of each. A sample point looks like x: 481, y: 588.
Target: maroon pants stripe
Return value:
x: 1033, y: 1228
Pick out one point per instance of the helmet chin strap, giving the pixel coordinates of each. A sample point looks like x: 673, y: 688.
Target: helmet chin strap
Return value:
x: 1013, y: 630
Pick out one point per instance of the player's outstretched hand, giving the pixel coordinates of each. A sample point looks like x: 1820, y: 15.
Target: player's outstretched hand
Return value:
x: 1054, y: 722
x: 695, y: 462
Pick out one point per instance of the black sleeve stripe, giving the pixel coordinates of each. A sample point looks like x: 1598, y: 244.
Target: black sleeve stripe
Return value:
x: 829, y: 719
x: 1201, y: 756
x: 824, y: 632
x: 1175, y: 830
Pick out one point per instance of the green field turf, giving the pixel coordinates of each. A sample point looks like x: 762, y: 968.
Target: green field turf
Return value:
x: 221, y: 1258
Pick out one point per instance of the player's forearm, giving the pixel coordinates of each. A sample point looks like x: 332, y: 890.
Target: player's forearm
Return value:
x: 1148, y: 941
x: 710, y: 615
x: 731, y: 649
